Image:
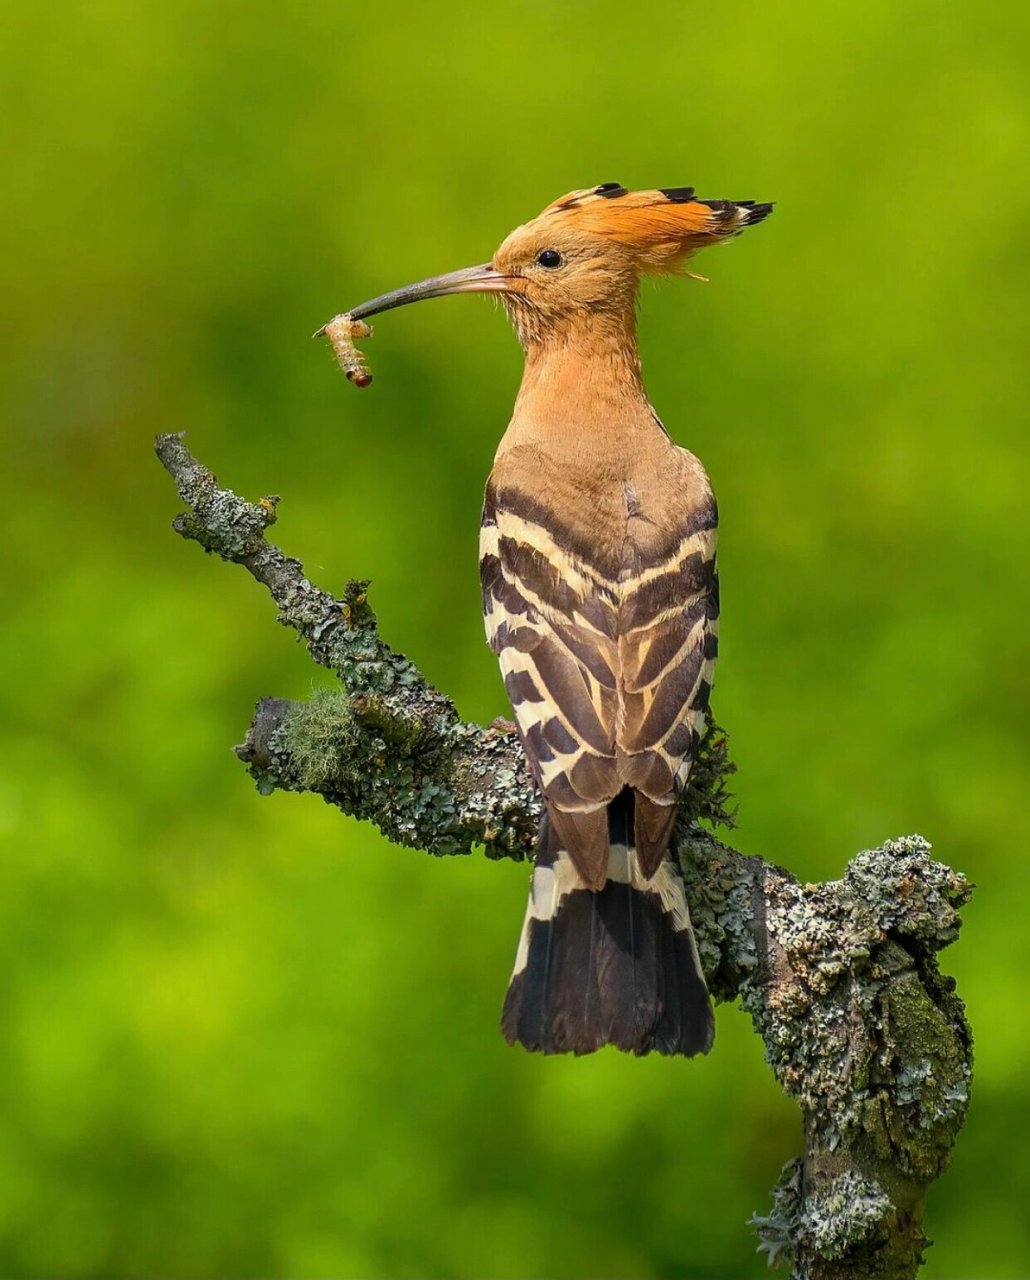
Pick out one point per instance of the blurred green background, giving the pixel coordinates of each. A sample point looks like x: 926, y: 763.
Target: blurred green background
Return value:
x: 246, y: 1037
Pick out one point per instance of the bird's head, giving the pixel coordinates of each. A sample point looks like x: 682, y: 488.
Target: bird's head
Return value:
x: 584, y: 255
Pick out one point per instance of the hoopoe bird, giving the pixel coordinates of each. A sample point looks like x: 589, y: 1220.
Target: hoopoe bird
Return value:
x: 601, y: 600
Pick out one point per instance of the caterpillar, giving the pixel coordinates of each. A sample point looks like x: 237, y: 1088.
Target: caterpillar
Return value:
x: 341, y: 332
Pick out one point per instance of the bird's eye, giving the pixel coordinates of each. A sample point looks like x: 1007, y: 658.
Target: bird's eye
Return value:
x: 549, y: 258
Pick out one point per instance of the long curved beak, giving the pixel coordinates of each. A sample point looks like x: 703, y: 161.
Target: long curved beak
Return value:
x: 481, y: 279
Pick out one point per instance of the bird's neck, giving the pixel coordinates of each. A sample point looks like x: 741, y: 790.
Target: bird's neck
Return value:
x: 580, y: 382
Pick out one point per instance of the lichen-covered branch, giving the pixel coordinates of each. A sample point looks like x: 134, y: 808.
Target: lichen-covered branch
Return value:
x: 860, y: 1027
x: 840, y: 979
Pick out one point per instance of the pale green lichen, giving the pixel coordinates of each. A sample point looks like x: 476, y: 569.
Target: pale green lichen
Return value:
x: 777, y: 1230
x: 317, y: 737
x: 721, y: 897
x: 900, y: 889
x: 845, y: 1216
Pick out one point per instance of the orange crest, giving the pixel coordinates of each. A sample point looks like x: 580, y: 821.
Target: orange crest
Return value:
x: 660, y: 228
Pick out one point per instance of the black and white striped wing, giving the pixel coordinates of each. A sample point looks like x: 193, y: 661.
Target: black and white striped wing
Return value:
x: 667, y: 647
x: 552, y: 619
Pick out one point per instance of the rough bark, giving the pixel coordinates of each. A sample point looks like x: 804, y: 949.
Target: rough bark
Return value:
x: 840, y: 979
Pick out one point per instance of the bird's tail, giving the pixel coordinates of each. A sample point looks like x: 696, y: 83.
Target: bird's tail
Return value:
x: 616, y: 965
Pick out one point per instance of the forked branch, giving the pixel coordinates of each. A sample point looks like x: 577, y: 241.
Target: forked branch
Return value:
x: 840, y: 979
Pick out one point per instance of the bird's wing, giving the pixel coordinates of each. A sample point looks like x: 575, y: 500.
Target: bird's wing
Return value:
x: 667, y: 645
x: 552, y: 618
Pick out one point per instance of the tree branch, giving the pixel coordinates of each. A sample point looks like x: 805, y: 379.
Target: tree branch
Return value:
x: 840, y: 979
